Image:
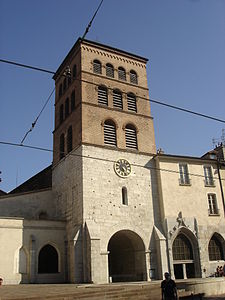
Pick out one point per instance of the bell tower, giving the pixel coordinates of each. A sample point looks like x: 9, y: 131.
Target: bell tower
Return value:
x: 103, y: 141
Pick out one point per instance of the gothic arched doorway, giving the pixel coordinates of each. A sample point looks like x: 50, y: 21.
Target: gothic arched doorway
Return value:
x: 126, y: 257
x: 48, y: 260
x: 183, y: 259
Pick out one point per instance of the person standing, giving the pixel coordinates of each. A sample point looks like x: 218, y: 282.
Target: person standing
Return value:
x: 168, y: 287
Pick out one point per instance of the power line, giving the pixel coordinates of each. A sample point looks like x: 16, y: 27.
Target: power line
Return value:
x: 89, y: 25
x: 150, y: 100
x: 35, y: 121
x: 101, y: 159
x: 26, y: 66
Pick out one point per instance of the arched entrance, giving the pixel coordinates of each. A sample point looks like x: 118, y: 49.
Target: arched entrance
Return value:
x: 183, y: 259
x: 126, y: 257
x: 48, y: 260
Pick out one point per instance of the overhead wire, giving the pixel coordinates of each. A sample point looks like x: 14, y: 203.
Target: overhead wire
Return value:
x: 159, y: 102
x: 102, y: 159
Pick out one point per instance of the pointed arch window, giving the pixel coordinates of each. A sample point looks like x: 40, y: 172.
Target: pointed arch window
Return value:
x: 67, y: 108
x: 110, y: 133
x: 117, y: 99
x: 48, y: 260
x: 73, y: 100
x: 74, y: 72
x: 102, y: 95
x: 133, y: 77
x: 109, y: 70
x: 182, y: 249
x: 131, y: 102
x: 61, y: 113
x: 97, y: 67
x: 62, y: 146
x: 121, y: 74
x: 124, y: 196
x: 131, y: 136
x: 69, y: 139
x: 215, y: 249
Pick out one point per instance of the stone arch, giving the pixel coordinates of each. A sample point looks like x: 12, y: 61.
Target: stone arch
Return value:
x: 48, y: 259
x: 126, y: 257
x: 187, y: 265
x: 216, y: 247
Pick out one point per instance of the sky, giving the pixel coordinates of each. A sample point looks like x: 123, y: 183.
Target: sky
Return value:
x: 184, y: 41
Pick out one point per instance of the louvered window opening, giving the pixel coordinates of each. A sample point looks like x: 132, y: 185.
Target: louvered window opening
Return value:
x: 73, y: 101
x: 102, y: 96
x: 109, y: 134
x: 109, y: 71
x: 133, y: 77
x: 74, y: 71
x: 97, y: 67
x: 122, y: 74
x: 215, y: 249
x: 67, y: 108
x: 131, y: 138
x: 69, y: 139
x: 131, y: 102
x: 61, y: 114
x: 61, y: 146
x: 117, y: 100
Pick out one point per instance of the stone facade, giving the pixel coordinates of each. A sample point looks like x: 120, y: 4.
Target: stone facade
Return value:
x: 115, y: 210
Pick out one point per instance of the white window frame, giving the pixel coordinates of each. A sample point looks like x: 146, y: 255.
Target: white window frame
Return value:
x: 209, y: 181
x: 184, y: 174
x: 212, y: 205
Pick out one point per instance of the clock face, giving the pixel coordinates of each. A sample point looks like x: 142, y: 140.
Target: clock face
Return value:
x: 122, y: 167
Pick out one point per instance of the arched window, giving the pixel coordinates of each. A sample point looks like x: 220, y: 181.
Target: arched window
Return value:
x: 109, y: 70
x: 73, y: 100
x: 64, y: 85
x: 131, y: 137
x: 182, y: 249
x: 60, y: 90
x: 121, y: 73
x: 69, y: 80
x: 97, y: 66
x: 69, y: 139
x: 48, y: 260
x: 131, y: 102
x: 74, y: 74
x: 133, y: 77
x: 117, y: 99
x: 67, y: 108
x: 124, y: 196
x: 61, y: 113
x: 102, y: 95
x: 215, y: 249
x: 62, y: 146
x: 109, y: 133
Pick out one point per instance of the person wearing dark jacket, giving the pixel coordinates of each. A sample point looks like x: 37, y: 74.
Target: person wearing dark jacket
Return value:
x: 168, y: 286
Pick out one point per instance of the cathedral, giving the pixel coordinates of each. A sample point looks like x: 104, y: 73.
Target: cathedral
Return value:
x: 111, y: 208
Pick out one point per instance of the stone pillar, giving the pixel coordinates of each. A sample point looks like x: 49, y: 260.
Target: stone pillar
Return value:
x: 148, y: 265
x: 32, y: 259
x: 66, y: 261
x: 96, y: 268
x: 184, y: 271
x: 105, y: 267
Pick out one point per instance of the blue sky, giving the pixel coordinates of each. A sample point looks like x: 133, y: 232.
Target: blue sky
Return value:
x: 183, y: 39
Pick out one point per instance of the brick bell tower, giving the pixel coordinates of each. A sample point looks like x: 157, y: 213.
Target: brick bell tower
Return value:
x: 103, y: 129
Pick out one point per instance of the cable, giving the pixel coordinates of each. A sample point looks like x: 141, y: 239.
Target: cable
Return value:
x: 150, y: 100
x: 102, y: 159
x: 89, y: 25
x: 26, y: 66
x: 35, y: 121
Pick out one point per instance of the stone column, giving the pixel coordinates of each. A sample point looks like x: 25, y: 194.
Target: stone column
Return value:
x: 105, y: 267
x: 32, y: 259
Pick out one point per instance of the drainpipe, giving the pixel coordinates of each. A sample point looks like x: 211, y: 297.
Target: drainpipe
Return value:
x: 220, y: 182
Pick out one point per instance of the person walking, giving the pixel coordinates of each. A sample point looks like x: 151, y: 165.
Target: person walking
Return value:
x: 168, y: 287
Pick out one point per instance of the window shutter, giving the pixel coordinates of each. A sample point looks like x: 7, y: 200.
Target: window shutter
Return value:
x: 97, y: 67
x: 131, y: 102
x: 109, y: 133
x: 133, y: 77
x: 117, y: 99
x: 131, y: 137
x: 109, y: 70
x: 122, y: 73
x: 102, y: 96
